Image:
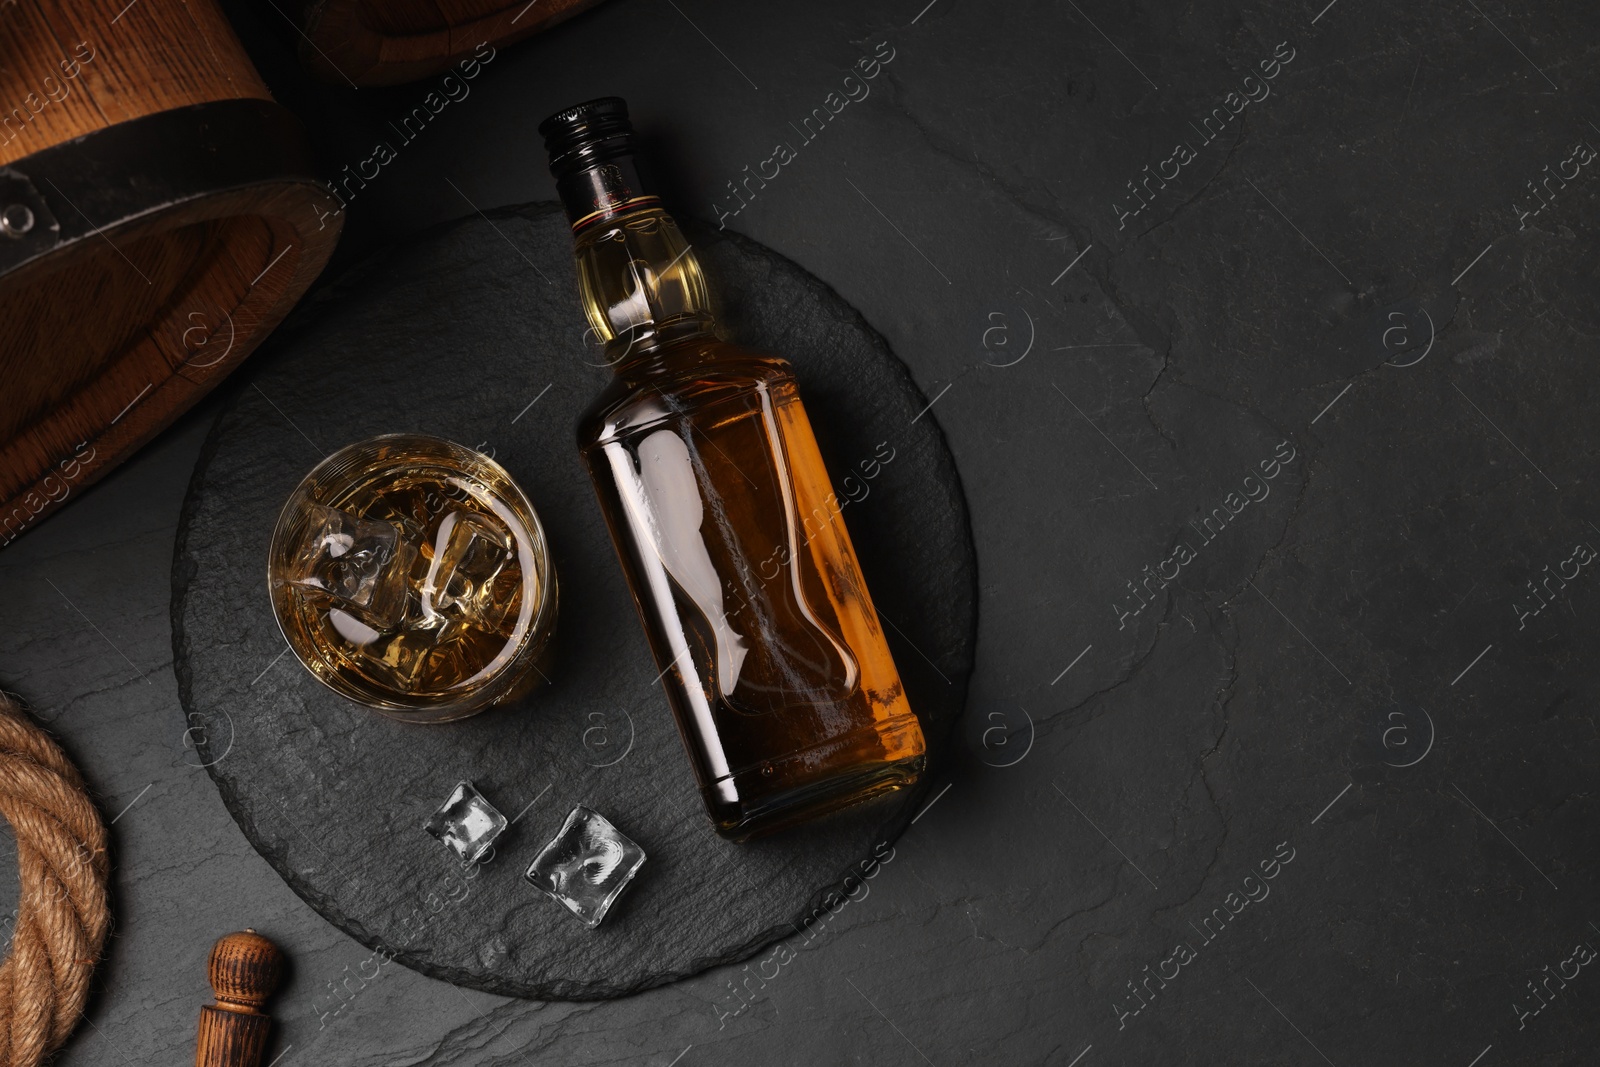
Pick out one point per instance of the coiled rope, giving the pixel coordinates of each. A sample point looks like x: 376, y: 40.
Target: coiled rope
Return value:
x: 64, y: 911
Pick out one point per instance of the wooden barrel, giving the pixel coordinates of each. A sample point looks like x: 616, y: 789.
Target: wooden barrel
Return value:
x: 386, y: 42
x: 159, y: 214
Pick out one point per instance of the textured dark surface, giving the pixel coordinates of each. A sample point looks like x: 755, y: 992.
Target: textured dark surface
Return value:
x: 448, y: 337
x: 1378, y: 177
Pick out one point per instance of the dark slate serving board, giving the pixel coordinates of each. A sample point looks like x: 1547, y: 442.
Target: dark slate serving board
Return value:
x: 472, y: 332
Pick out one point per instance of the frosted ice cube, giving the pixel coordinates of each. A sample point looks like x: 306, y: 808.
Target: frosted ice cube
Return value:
x: 467, y: 823
x: 464, y: 580
x: 362, y: 563
x: 587, y: 865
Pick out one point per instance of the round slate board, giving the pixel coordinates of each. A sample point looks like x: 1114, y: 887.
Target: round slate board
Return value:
x: 472, y: 332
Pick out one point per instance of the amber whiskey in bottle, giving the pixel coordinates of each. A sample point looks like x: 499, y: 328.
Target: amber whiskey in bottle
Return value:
x: 773, y: 659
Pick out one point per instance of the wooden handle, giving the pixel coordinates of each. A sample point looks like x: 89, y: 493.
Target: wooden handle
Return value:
x: 245, y: 968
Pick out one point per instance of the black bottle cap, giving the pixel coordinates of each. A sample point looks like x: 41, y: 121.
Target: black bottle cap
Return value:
x: 591, y: 157
x: 586, y: 134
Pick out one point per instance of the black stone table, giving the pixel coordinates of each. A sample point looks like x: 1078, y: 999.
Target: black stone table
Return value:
x: 1348, y: 666
x: 472, y: 333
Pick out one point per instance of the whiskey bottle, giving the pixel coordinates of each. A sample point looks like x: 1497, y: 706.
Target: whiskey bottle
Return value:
x: 718, y: 503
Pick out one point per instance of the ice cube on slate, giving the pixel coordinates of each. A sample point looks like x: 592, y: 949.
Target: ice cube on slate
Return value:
x: 361, y: 563
x: 587, y: 865
x: 467, y: 823
x: 473, y: 555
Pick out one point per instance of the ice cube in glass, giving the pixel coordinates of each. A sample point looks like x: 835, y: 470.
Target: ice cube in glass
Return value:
x: 467, y: 823
x: 361, y: 563
x: 587, y: 865
x: 466, y: 578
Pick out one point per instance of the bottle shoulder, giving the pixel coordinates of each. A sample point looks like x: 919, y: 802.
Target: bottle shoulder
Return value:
x: 687, y: 379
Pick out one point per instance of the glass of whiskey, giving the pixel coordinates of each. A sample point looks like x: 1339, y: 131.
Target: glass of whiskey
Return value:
x: 411, y: 575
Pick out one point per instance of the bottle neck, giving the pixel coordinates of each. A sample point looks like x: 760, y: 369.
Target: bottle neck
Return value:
x: 639, y: 281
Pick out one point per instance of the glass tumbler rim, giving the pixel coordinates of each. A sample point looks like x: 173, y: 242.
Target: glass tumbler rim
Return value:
x: 387, y: 700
